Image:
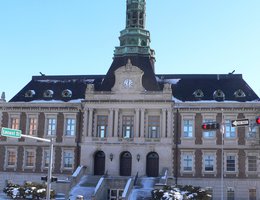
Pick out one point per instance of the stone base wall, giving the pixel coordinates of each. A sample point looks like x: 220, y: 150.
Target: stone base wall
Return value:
x: 241, y: 186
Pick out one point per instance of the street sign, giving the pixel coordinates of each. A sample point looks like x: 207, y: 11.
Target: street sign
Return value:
x: 240, y: 122
x: 8, y: 132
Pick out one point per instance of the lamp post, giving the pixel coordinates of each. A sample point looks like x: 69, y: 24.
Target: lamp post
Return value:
x: 222, y: 131
x: 48, y: 191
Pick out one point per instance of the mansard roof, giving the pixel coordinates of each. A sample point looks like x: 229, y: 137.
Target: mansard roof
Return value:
x: 184, y: 87
x: 200, y: 87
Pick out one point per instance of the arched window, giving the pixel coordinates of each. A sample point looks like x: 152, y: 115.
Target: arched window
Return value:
x: 48, y: 93
x: 198, y: 93
x: 29, y: 93
x: 66, y: 93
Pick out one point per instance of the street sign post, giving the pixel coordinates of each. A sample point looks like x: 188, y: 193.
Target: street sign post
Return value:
x: 8, y: 132
x: 240, y: 122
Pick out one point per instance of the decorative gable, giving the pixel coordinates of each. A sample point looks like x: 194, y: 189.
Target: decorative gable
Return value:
x: 128, y: 79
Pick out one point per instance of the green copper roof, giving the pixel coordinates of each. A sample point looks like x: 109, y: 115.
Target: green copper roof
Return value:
x: 134, y: 39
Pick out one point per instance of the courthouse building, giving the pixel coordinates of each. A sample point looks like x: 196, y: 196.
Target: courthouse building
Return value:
x: 133, y: 121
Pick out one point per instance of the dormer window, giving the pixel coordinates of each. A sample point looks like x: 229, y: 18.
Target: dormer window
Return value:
x: 198, y: 93
x: 30, y: 93
x: 219, y: 95
x: 48, y: 93
x: 66, y: 93
x: 239, y: 93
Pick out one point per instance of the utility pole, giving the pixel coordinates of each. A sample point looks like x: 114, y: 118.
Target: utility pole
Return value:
x: 222, y: 131
x: 7, y: 132
x: 48, y: 191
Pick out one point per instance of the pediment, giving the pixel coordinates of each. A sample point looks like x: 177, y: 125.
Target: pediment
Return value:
x: 128, y: 79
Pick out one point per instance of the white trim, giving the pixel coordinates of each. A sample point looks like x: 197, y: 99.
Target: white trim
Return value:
x: 13, y: 149
x: 29, y: 149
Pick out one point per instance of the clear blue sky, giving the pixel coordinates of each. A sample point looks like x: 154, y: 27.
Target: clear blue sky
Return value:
x: 63, y: 37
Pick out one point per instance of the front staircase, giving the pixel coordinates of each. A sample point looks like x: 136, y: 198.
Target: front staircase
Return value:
x: 143, y: 188
x: 85, y: 187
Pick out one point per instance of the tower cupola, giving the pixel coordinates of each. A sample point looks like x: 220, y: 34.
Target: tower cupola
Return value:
x: 135, y: 14
x: 134, y: 39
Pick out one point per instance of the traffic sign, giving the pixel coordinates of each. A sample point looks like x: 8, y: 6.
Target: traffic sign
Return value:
x: 8, y: 132
x: 240, y: 122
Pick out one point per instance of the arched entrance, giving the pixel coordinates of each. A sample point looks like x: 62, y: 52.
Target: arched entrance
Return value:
x: 99, y: 163
x: 152, y: 164
x: 125, y: 164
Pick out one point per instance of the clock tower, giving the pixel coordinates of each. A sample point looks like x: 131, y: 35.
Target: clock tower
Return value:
x: 134, y: 46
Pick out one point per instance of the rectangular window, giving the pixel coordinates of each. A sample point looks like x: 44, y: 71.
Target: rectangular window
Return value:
x: 14, y: 123
x: 209, y: 163
x: 230, y: 132
x: 252, y: 163
x: 187, y: 162
x: 209, y: 134
x: 128, y: 126
x: 51, y: 126
x: 153, y: 126
x: 11, y: 157
x: 252, y: 194
x: 70, y: 127
x: 230, y: 194
x: 68, y: 158
x: 32, y: 126
x: 231, y: 163
x: 102, y: 123
x: 187, y: 128
x: 29, y: 158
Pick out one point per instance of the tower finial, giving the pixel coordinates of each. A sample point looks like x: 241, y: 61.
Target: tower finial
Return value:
x: 135, y: 14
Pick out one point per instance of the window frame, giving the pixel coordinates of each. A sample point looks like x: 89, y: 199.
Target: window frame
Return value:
x: 230, y: 193
x: 25, y: 163
x: 70, y: 128
x: 211, y: 133
x: 191, y: 159
x: 13, y: 150
x: 230, y: 132
x: 17, y: 118
x: 154, y: 126
x: 29, y: 130
x: 64, y: 159
x: 188, y: 124
x: 53, y: 132
x: 102, y: 126
x: 252, y: 194
x: 128, y: 126
x: 235, y: 155
x: 212, y: 160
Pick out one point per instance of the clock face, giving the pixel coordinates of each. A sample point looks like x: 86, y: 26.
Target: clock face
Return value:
x: 128, y: 83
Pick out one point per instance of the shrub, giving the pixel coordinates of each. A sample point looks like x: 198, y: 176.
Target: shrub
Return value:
x: 179, y: 192
x: 27, y: 191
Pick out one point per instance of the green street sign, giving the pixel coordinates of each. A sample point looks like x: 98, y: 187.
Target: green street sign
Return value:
x: 8, y: 132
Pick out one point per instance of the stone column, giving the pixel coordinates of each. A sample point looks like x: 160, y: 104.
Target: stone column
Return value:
x: 137, y: 122
x: 163, y: 123
x: 90, y: 122
x: 169, y: 123
x: 115, y: 134
x: 110, y: 123
x: 85, y: 123
x: 142, y: 122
